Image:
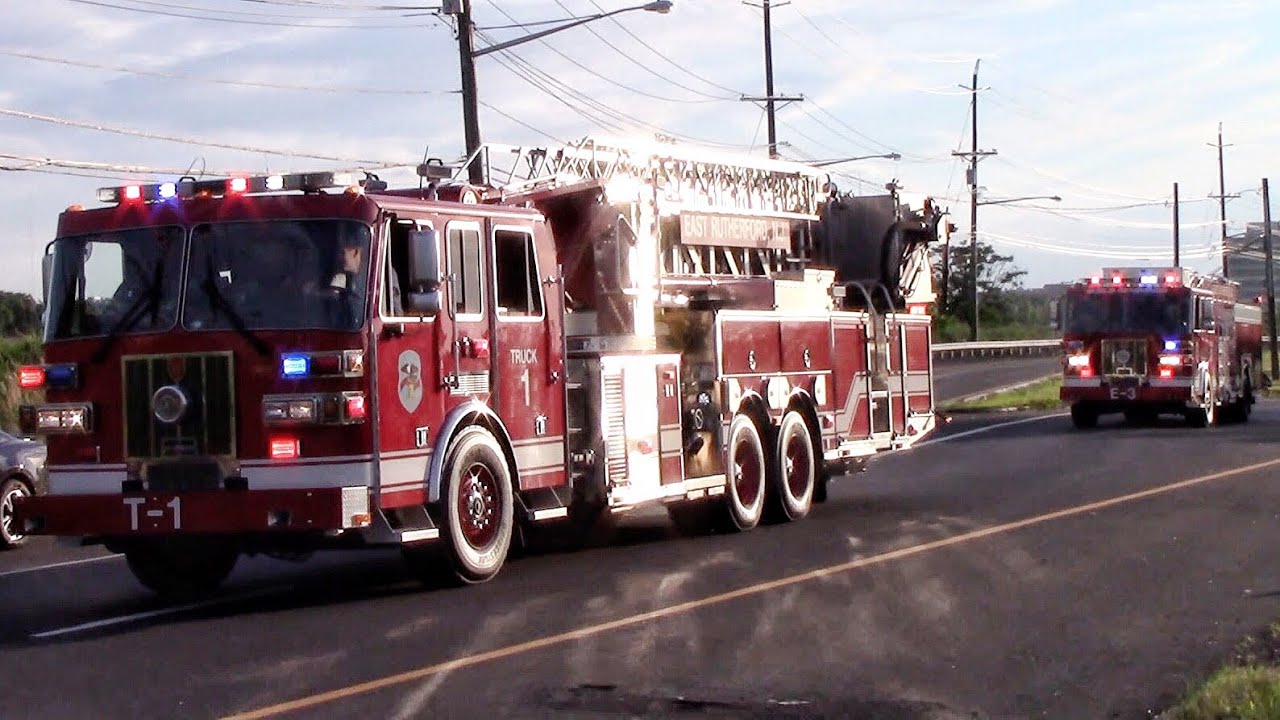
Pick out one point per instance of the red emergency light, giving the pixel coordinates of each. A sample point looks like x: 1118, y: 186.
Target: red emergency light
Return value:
x: 30, y: 377
x: 283, y: 447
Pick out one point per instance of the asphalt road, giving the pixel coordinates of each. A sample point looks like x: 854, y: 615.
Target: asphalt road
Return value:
x: 1008, y: 572
x: 954, y: 379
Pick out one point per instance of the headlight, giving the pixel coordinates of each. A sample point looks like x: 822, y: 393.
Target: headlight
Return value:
x: 56, y: 418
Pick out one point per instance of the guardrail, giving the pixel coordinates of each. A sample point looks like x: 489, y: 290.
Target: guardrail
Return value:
x: 997, y: 348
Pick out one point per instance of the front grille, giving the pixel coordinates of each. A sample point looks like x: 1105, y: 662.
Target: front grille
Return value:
x: 208, y: 426
x: 1124, y: 357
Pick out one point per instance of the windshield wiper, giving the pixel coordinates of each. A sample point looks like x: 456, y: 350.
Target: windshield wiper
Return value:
x: 149, y: 299
x: 219, y: 302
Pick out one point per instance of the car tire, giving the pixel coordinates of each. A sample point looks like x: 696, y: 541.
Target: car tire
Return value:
x: 10, y: 535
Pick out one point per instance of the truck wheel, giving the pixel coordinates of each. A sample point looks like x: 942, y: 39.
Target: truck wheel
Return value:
x: 10, y: 535
x: 1084, y: 417
x: 1202, y: 417
x: 479, y: 513
x: 182, y: 567
x: 795, y: 469
x: 746, y: 474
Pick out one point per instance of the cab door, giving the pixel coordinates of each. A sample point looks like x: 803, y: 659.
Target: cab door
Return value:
x: 527, y: 350
x: 467, y: 354
x: 408, y: 369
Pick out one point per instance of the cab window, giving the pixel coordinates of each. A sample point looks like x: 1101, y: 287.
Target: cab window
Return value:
x: 467, y: 270
x: 519, y: 292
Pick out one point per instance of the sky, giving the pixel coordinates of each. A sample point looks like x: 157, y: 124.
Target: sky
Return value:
x: 1102, y: 104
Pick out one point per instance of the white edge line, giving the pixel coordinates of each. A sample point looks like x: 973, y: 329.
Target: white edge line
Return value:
x: 989, y: 428
x: 52, y: 566
x: 122, y: 619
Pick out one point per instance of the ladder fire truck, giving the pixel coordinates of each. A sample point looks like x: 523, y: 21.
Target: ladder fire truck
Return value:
x: 289, y: 363
x: 1146, y: 341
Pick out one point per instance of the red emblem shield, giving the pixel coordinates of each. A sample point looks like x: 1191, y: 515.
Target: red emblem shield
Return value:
x: 177, y: 367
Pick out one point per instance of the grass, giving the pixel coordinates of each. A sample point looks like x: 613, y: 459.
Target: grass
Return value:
x: 1234, y: 693
x: 13, y: 353
x: 1248, y: 688
x: 1042, y: 395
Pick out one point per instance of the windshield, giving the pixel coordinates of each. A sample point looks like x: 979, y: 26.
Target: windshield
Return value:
x: 122, y: 281
x: 1162, y: 313
x: 287, y: 274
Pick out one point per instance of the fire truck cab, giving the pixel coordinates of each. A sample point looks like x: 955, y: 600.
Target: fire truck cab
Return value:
x: 290, y: 363
x: 1146, y: 341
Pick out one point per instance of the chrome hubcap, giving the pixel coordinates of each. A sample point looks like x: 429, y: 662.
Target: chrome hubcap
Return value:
x: 6, y: 513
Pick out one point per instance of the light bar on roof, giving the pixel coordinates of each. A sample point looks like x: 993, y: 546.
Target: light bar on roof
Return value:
x: 190, y: 187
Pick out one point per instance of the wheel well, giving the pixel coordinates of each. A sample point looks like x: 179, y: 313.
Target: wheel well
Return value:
x: 21, y: 477
x: 753, y: 406
x: 495, y: 428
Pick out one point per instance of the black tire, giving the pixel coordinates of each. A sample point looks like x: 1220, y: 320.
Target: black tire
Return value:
x: 746, y: 473
x: 11, y: 536
x: 1084, y: 417
x: 794, y: 474
x: 176, y: 568
x: 478, y: 506
x: 1202, y: 417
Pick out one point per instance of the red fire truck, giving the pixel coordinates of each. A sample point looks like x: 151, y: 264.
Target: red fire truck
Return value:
x: 1146, y: 341
x: 290, y: 363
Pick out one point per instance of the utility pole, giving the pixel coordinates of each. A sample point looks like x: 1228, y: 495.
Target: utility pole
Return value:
x: 470, y: 94
x: 1222, y: 199
x: 769, y: 99
x: 1176, y: 244
x: 1270, y: 278
x: 946, y: 260
x: 974, y: 155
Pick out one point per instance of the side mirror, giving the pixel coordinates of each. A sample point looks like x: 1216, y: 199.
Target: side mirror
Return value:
x: 422, y: 297
x: 1055, y: 315
x: 46, y: 273
x: 424, y: 261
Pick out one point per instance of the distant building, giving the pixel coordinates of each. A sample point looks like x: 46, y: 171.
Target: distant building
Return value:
x: 1246, y: 263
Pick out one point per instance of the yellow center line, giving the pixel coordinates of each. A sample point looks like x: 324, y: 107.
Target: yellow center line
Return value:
x: 467, y: 661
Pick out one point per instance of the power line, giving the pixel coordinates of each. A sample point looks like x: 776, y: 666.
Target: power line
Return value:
x: 67, y: 122
x: 321, y: 25
x: 242, y: 13
x: 562, y: 89
x: 37, y: 163
x: 522, y: 123
x: 609, y: 80
x: 648, y: 69
x: 220, y: 81
x: 1068, y: 181
x: 664, y: 57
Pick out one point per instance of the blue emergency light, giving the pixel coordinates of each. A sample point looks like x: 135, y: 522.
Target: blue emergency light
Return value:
x: 292, y: 366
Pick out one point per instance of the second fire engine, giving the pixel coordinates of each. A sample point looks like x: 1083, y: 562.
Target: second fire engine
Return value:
x: 1146, y: 341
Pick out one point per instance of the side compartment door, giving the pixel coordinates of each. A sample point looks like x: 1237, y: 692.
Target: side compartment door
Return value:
x: 527, y: 352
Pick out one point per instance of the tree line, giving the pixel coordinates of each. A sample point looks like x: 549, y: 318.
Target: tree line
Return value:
x: 1006, y: 311
x: 20, y: 314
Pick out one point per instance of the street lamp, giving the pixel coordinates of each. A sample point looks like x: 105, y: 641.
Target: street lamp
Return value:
x: 825, y: 163
x: 467, y: 54
x: 973, y: 247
